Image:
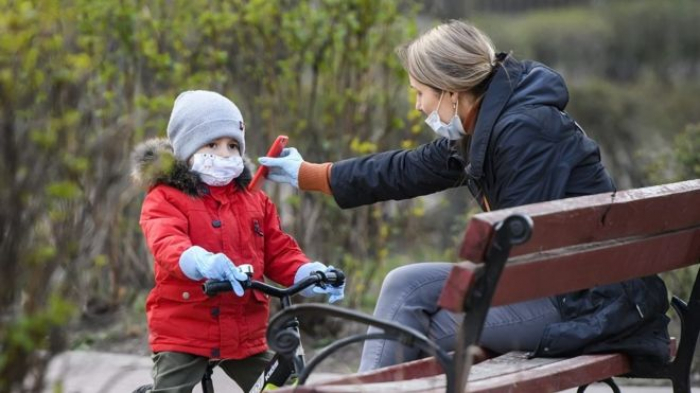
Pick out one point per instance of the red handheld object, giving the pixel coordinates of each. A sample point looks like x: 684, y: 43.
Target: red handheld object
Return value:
x: 261, y: 173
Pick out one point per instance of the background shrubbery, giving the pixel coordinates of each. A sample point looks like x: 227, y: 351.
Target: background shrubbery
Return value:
x: 83, y: 81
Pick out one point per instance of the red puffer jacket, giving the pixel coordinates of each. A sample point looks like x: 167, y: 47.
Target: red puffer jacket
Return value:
x: 244, y: 226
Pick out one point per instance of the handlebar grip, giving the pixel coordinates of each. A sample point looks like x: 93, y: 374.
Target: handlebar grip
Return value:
x: 335, y: 277
x: 211, y: 288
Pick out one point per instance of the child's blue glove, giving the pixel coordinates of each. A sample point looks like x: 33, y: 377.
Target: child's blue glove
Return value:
x: 197, y: 264
x: 285, y: 168
x: 334, y: 293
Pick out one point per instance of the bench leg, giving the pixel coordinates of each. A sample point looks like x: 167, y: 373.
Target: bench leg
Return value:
x: 678, y: 371
x: 610, y: 382
x: 514, y: 230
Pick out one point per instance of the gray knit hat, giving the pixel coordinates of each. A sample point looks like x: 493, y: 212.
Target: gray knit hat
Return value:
x: 200, y: 117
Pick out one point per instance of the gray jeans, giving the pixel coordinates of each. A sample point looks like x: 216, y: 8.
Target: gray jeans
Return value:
x: 409, y: 296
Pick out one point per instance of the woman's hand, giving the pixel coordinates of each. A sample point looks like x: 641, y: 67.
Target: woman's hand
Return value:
x: 285, y: 168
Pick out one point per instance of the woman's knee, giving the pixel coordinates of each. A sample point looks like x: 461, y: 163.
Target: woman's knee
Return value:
x: 409, y: 278
x: 405, y: 275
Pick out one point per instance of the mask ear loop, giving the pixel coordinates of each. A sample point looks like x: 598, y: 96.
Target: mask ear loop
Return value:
x: 437, y: 109
x: 454, y: 106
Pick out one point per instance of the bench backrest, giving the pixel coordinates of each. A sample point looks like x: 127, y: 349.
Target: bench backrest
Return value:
x: 586, y: 241
x: 576, y: 243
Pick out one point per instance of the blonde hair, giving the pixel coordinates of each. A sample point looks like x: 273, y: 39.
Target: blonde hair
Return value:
x: 454, y: 56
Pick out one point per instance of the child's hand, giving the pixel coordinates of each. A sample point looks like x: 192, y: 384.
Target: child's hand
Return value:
x: 335, y: 293
x: 197, y: 264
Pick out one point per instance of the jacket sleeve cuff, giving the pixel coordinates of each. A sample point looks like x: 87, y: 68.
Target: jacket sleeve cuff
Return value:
x: 315, y: 177
x: 188, y: 263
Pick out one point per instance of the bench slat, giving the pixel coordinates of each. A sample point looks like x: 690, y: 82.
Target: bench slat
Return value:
x: 420, y: 368
x: 580, y: 267
x: 592, y: 218
x: 543, y: 375
x: 512, y: 372
x: 426, y: 385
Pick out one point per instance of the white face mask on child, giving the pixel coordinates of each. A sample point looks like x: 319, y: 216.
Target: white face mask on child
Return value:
x: 215, y: 170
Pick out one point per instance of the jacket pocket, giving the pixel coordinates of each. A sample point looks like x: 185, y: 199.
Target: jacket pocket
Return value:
x: 257, y: 314
x: 181, y: 313
x: 258, y: 306
x: 191, y: 294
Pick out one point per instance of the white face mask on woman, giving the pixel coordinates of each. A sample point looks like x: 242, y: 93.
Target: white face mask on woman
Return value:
x: 215, y: 170
x: 453, y: 131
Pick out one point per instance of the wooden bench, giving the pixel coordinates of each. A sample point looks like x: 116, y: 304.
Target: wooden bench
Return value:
x: 550, y: 248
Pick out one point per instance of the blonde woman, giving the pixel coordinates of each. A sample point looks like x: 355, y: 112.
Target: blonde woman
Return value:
x: 503, y: 132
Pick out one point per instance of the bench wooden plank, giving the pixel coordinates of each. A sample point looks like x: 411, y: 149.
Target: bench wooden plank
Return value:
x: 434, y: 384
x: 420, y: 368
x: 578, y: 267
x: 519, y: 374
x: 515, y: 374
x: 592, y: 218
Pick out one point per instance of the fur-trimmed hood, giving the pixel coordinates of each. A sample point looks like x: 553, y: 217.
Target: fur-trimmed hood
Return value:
x: 153, y: 162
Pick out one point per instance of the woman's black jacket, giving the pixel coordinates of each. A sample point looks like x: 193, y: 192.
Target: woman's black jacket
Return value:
x: 525, y: 149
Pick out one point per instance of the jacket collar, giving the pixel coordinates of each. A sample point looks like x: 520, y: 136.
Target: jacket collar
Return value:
x: 153, y: 162
x: 500, y: 89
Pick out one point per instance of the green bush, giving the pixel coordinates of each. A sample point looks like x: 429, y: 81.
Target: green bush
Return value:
x: 631, y: 66
x: 82, y: 81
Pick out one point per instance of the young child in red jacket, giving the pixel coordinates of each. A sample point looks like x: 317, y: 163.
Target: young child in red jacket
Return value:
x: 200, y: 222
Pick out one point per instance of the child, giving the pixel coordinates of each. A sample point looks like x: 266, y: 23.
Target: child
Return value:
x: 200, y: 222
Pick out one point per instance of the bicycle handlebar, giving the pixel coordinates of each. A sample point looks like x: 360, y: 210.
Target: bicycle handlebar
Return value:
x: 335, y: 278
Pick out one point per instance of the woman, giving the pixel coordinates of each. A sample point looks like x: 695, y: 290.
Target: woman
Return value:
x: 503, y: 133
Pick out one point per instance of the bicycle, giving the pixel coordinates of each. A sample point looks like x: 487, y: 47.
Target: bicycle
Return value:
x: 288, y: 361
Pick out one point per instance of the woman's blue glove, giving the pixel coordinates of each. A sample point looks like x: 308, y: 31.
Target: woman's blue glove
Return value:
x: 334, y: 293
x: 197, y: 264
x: 285, y: 168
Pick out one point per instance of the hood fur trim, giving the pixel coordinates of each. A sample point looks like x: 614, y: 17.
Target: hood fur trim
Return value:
x: 153, y: 162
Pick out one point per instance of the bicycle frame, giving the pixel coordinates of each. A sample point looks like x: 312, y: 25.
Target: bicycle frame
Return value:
x: 280, y: 369
x: 283, y: 368
x: 288, y: 362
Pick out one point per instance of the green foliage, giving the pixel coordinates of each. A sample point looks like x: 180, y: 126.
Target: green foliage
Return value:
x: 550, y: 36
x: 81, y: 82
x: 28, y: 335
x: 682, y: 162
x: 618, y: 40
x: 651, y: 35
x: 631, y: 66
x: 687, y: 146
